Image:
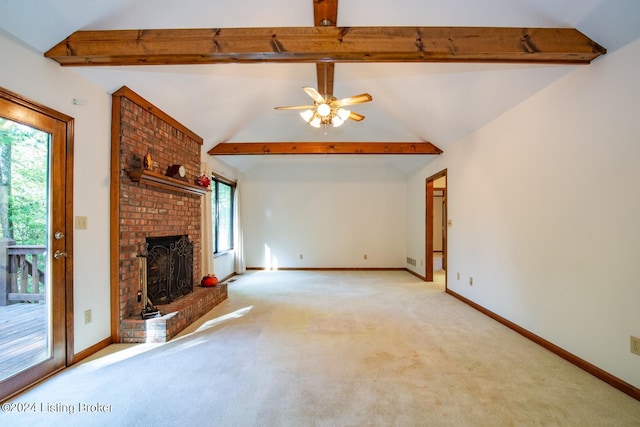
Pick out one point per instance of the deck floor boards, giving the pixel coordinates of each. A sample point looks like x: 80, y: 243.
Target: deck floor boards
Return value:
x: 23, y: 337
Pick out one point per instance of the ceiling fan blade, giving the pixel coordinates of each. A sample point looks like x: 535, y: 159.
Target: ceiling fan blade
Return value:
x: 314, y: 94
x: 357, y: 99
x: 355, y: 116
x: 297, y: 107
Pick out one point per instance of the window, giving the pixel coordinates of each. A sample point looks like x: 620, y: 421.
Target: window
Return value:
x: 222, y: 215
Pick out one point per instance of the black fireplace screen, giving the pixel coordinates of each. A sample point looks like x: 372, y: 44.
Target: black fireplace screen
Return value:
x: 169, y: 268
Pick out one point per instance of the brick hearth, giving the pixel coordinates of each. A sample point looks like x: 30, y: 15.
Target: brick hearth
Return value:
x: 174, y: 317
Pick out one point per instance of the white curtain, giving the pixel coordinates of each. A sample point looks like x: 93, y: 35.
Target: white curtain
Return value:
x: 239, y: 264
x: 206, y: 228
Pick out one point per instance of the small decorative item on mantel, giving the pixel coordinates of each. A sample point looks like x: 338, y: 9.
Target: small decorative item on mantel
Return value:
x: 203, y: 181
x: 147, y: 162
x: 177, y: 171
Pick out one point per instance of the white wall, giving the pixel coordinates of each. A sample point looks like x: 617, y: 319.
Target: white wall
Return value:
x: 332, y: 211
x: 525, y: 196
x: 44, y: 81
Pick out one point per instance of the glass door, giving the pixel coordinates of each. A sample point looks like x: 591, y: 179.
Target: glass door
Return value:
x: 33, y: 247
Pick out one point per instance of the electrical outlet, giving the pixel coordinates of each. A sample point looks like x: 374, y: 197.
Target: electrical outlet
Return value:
x: 300, y: 256
x: 470, y: 281
x: 87, y: 317
x: 458, y: 276
x: 365, y: 256
x: 635, y: 345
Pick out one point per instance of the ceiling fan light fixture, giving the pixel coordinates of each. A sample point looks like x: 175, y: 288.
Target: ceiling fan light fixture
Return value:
x: 327, y: 110
x: 315, y: 122
x: 323, y: 110
x: 307, y: 115
x: 343, y: 114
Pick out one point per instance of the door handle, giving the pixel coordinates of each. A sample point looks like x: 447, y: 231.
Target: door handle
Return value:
x: 59, y: 254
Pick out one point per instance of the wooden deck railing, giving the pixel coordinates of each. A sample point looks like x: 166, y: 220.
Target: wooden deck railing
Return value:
x: 23, y: 278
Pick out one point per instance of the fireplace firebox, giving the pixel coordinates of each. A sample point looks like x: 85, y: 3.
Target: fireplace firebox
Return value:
x: 169, y: 268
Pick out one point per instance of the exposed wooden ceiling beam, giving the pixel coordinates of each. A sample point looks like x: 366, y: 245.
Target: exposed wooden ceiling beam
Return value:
x: 252, y: 148
x: 325, y: 14
x: 326, y: 72
x: 326, y: 45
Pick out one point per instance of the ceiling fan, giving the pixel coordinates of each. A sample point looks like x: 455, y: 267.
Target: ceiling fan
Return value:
x: 327, y: 110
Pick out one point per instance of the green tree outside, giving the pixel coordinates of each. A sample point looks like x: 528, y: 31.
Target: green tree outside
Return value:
x: 24, y: 171
x: 23, y: 183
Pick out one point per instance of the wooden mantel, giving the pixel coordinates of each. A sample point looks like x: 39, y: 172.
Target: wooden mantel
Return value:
x: 261, y: 148
x: 155, y: 179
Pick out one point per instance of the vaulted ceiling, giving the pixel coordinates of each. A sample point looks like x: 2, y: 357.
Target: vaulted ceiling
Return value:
x: 232, y: 101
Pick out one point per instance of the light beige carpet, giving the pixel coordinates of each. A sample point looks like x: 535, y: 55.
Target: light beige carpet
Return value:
x: 300, y: 348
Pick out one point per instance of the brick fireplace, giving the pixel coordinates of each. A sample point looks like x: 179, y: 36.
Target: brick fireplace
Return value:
x: 148, y: 204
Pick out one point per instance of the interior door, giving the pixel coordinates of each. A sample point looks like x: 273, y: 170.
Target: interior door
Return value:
x: 439, y: 227
x: 444, y: 229
x: 35, y: 214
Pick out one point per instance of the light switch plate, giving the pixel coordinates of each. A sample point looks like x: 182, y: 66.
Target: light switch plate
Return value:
x: 81, y: 222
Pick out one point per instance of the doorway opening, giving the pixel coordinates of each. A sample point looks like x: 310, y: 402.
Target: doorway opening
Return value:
x: 436, y: 225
